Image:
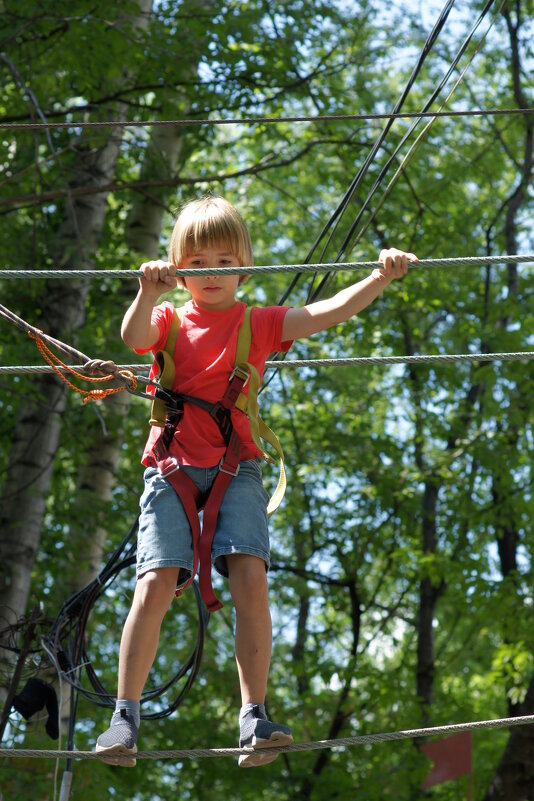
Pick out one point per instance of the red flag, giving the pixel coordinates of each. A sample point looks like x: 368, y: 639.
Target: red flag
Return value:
x: 451, y: 758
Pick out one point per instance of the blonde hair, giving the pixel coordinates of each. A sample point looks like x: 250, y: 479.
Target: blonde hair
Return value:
x: 206, y: 223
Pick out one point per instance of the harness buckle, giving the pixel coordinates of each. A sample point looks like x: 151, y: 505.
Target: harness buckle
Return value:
x: 228, y: 472
x: 241, y: 373
x: 172, y: 400
x: 172, y: 468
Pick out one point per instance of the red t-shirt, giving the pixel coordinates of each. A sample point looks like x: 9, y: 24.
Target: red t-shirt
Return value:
x: 204, y: 358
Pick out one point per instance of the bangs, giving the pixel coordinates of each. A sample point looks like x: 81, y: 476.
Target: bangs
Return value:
x: 211, y: 222
x: 211, y: 233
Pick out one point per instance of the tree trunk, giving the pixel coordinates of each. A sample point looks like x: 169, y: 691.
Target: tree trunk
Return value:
x: 98, y: 475
x: 429, y: 590
x: 429, y: 594
x: 514, y: 777
x: 36, y: 432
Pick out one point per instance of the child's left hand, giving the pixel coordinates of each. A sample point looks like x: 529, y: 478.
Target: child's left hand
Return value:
x: 395, y: 264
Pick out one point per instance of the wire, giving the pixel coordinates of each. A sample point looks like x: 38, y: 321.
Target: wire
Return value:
x: 330, y: 227
x: 337, y: 266
x: 316, y: 745
x: 354, y: 361
x: 383, y: 172
x: 66, y: 642
x: 488, y: 112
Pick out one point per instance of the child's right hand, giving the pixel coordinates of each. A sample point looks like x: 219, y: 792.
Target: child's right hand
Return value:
x: 157, y: 277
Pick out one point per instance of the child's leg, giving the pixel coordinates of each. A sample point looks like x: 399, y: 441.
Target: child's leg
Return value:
x: 153, y: 594
x: 152, y: 597
x: 253, y: 636
x: 253, y: 644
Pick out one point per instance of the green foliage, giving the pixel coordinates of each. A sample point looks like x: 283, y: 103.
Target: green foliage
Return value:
x: 365, y: 447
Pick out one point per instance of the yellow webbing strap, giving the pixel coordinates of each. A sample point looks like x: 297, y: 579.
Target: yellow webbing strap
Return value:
x: 244, y: 340
x: 165, y: 361
x: 249, y: 405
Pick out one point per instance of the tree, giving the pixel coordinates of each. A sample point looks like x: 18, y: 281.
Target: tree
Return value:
x: 402, y: 553
x: 36, y: 433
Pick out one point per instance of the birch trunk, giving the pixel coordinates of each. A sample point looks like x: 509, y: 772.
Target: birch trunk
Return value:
x: 36, y: 432
x: 99, y: 473
x: 143, y: 237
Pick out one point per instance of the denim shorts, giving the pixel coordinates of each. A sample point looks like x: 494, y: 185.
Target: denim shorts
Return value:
x: 164, y: 538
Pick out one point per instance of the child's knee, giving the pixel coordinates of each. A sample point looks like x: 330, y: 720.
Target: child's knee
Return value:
x: 248, y: 581
x: 155, y: 590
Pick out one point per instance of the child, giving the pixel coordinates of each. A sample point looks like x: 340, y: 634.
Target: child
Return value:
x: 210, y: 233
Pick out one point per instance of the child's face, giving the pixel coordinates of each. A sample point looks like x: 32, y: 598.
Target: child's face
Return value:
x: 212, y: 292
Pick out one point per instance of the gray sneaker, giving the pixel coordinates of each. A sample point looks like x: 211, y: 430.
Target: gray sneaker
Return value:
x: 257, y: 732
x: 119, y: 742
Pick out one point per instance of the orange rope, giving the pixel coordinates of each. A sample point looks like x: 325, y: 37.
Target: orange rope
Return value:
x: 89, y: 394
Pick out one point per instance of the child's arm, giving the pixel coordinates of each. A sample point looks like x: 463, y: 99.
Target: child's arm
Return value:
x: 306, y: 320
x: 138, y: 330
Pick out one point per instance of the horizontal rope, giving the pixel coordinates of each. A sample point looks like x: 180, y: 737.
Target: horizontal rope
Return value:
x: 356, y: 360
x: 34, y: 126
x: 460, y: 261
x: 363, y: 739
x: 73, y: 353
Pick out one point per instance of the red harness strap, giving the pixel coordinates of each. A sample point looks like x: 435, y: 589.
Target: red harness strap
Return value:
x: 192, y: 498
x: 228, y: 468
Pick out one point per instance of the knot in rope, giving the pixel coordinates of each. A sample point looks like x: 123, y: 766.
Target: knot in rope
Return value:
x: 88, y: 394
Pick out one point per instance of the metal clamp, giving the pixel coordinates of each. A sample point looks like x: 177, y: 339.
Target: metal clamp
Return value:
x: 241, y: 373
x: 228, y: 472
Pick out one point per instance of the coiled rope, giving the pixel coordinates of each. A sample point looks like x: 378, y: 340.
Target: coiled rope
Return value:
x: 363, y: 739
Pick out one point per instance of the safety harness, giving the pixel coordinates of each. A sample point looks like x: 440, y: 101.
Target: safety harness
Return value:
x: 167, y: 411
